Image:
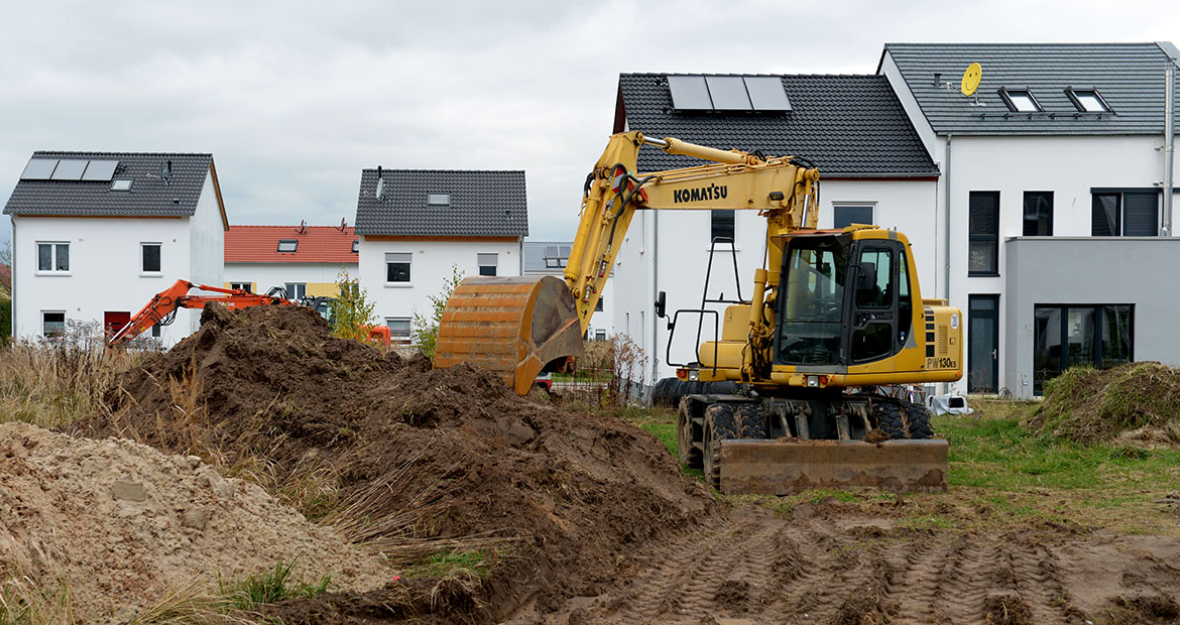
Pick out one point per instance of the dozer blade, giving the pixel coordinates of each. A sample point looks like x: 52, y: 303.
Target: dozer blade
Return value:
x: 785, y: 467
x: 514, y: 326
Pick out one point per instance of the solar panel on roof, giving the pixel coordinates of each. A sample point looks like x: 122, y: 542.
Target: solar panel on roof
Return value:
x: 766, y: 93
x: 689, y: 93
x: 69, y: 169
x: 100, y: 171
x: 39, y: 169
x: 728, y: 93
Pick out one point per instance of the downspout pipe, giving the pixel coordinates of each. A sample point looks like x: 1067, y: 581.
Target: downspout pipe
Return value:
x: 655, y: 295
x: 946, y: 175
x: 1169, y: 143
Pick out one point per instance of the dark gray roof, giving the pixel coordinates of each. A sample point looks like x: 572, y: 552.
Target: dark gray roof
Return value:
x: 482, y: 203
x: 150, y: 195
x: 534, y: 256
x: 1129, y: 76
x: 846, y: 125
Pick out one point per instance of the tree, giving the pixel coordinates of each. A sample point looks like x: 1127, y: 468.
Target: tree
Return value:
x: 6, y: 253
x: 351, y: 311
x: 426, y: 327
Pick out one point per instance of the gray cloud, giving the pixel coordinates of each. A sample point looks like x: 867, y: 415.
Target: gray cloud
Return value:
x: 294, y: 98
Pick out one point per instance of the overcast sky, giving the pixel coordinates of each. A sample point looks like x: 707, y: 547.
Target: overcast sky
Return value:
x: 295, y: 98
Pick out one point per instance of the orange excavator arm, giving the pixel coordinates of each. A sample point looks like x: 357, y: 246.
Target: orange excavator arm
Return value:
x: 162, y: 309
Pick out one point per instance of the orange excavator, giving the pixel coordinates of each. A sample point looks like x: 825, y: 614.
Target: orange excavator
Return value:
x: 162, y: 309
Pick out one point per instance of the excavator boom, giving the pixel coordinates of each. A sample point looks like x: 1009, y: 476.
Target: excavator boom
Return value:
x: 162, y: 308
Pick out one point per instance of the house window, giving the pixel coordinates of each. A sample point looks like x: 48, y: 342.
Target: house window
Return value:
x: 53, y: 324
x: 984, y: 243
x: 53, y: 257
x: 1038, y: 213
x: 399, y: 329
x: 356, y: 245
x: 844, y: 216
x: 600, y: 335
x: 288, y: 245
x: 397, y: 266
x: 487, y: 264
x: 156, y: 331
x: 1129, y: 214
x: 242, y: 286
x: 438, y: 199
x: 1100, y: 336
x: 151, y: 257
x: 1020, y: 100
x: 598, y: 306
x: 722, y: 225
x: 296, y: 290
x: 1087, y: 101
x: 556, y: 256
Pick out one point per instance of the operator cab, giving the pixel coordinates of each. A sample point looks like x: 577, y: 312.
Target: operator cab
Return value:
x: 843, y: 300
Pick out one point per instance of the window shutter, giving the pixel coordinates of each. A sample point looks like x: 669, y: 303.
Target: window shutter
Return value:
x: 1140, y: 214
x: 984, y: 207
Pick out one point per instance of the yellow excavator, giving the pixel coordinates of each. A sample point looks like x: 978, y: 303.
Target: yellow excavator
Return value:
x: 835, y: 317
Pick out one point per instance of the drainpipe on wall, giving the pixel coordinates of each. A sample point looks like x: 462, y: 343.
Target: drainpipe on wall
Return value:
x: 1169, y: 143
x: 655, y: 280
x: 12, y: 270
x: 947, y: 209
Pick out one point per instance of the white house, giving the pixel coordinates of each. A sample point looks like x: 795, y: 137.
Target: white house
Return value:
x: 548, y: 258
x: 1050, y: 206
x: 417, y: 227
x: 873, y: 167
x: 97, y: 234
x: 305, y: 261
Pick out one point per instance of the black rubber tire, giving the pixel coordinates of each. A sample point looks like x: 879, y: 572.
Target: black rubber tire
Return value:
x: 917, y: 421
x: 751, y: 423
x: 688, y: 454
x: 720, y: 425
x: 890, y: 418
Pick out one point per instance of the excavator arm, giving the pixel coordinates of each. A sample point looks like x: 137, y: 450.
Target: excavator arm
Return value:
x: 162, y: 308
x: 520, y: 326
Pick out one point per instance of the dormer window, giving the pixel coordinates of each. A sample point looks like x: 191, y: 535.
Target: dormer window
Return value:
x: 438, y: 199
x: 1087, y: 100
x: 288, y: 245
x: 1020, y: 100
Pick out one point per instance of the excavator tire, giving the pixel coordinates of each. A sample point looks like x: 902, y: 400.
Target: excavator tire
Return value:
x: 751, y: 423
x: 891, y: 418
x: 720, y: 425
x: 687, y: 453
x: 918, y: 421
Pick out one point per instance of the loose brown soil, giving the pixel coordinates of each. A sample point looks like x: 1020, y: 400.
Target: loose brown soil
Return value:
x: 118, y: 525
x: 550, y: 502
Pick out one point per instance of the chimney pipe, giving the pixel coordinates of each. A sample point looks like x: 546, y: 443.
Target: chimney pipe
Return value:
x: 937, y: 79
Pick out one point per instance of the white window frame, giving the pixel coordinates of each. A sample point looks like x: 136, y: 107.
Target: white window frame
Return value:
x: 292, y: 293
x: 52, y: 258
x: 397, y: 339
x: 63, y: 324
x: 294, y: 246
x: 143, y: 271
x: 872, y: 206
x: 388, y: 260
x: 480, y: 264
x: 245, y: 286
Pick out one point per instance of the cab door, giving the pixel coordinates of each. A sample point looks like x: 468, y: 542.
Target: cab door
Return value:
x: 876, y: 328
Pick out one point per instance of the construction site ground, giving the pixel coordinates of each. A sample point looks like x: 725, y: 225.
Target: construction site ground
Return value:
x: 442, y: 497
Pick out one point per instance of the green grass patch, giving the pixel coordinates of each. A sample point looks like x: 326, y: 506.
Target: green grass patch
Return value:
x: 270, y: 586
x: 469, y: 564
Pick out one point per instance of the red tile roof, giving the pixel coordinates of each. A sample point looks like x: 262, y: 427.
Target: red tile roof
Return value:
x: 317, y: 244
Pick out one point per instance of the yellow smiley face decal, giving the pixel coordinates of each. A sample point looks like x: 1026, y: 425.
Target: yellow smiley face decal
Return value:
x: 971, y: 79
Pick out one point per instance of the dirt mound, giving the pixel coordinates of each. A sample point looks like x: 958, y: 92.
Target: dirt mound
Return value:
x: 1136, y: 401
x: 120, y: 524
x: 525, y: 496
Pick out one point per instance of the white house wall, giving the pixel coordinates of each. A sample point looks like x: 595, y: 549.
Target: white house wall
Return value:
x: 105, y: 263
x: 429, y: 271
x: 207, y: 230
x: 267, y: 275
x: 683, y: 258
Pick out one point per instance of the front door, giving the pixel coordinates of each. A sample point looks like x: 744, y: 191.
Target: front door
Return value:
x: 112, y: 322
x: 983, y: 343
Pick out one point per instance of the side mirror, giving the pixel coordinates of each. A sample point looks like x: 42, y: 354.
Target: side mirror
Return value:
x: 661, y: 304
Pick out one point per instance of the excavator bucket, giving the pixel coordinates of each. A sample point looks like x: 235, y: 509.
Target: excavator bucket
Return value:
x: 514, y: 326
x: 784, y: 467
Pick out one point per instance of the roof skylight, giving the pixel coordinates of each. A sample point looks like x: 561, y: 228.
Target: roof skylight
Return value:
x: 121, y: 184
x: 438, y: 199
x: 288, y: 245
x: 1021, y: 100
x: 1087, y: 100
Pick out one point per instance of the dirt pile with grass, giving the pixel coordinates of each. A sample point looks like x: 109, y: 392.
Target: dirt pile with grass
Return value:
x: 1135, y: 402
x: 118, y: 525
x: 448, y: 473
